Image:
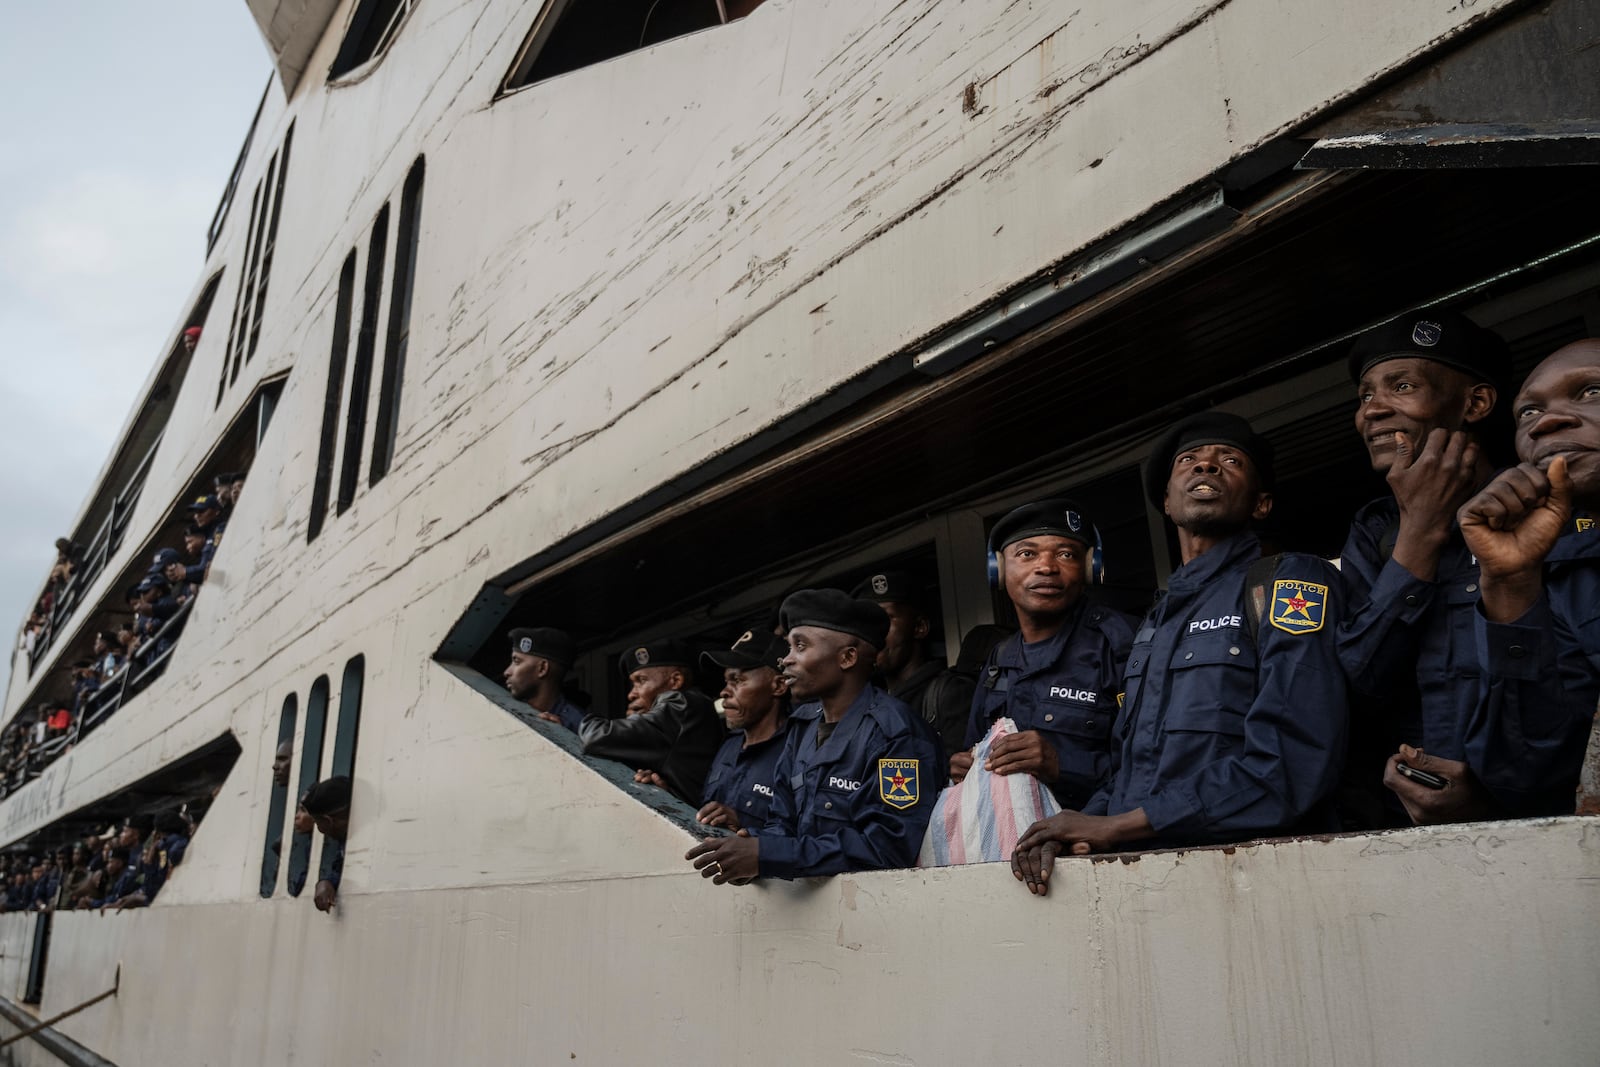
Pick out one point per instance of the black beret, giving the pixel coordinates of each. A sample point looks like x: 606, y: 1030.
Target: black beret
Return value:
x: 832, y: 609
x: 1446, y: 337
x: 543, y: 641
x: 1206, y: 428
x: 886, y: 587
x: 656, y: 654
x: 144, y: 823
x: 1060, y: 517
x: 753, y: 649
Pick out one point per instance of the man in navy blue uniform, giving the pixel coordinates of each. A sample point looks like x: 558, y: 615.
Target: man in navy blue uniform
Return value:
x: 670, y: 728
x: 1428, y: 411
x: 1233, y: 721
x: 859, y: 771
x: 1058, y: 677
x: 908, y: 671
x: 540, y: 658
x: 755, y: 704
x: 1534, y: 532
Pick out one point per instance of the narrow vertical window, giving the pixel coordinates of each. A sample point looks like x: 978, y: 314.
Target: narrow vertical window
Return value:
x: 270, y: 245
x: 282, y: 761
x: 310, y: 768
x: 355, y: 424
x: 323, y: 480
x: 238, y: 297
x: 345, y: 734
x: 397, y: 337
x: 263, y: 193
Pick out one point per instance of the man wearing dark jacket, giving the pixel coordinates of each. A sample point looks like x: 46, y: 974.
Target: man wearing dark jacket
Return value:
x: 669, y: 728
x: 1233, y: 720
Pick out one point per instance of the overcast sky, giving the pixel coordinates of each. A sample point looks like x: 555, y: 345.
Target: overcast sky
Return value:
x: 119, y: 125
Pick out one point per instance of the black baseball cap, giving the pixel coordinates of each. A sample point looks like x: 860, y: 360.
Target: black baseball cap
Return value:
x: 752, y: 650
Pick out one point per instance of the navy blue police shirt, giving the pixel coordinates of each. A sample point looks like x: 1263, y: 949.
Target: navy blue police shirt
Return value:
x: 1528, y: 734
x: 570, y: 715
x: 743, y: 776
x: 1221, y: 738
x: 860, y: 800
x: 1407, y: 645
x: 1066, y: 689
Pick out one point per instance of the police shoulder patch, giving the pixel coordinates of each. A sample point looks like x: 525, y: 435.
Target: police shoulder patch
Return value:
x: 1298, y: 607
x: 899, y: 783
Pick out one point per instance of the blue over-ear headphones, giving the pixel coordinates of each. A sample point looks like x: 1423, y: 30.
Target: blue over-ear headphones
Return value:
x: 1059, y: 513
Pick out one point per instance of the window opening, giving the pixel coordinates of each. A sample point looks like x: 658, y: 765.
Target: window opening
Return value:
x: 355, y: 426
x: 569, y: 34
x: 271, y: 851
x: 310, y: 768
x: 330, y: 404
x: 345, y: 734
x: 372, y: 30
x: 349, y: 726
x: 238, y: 300
x: 271, y: 244
x: 397, y: 337
x: 259, y: 219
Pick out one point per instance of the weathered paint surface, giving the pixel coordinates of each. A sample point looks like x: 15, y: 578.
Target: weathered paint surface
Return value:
x: 1471, y: 945
x: 624, y: 272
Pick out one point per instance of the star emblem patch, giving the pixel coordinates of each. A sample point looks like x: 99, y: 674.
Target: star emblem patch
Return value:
x: 1298, y: 607
x: 899, y: 783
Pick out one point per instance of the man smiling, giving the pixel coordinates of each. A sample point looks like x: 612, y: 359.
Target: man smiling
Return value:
x: 1233, y: 719
x: 1428, y: 411
x: 1539, y: 630
x: 859, y: 770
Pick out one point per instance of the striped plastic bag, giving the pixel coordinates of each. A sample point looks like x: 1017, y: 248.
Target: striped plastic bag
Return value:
x: 980, y: 820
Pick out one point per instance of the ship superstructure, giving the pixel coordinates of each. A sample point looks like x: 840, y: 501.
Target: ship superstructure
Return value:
x: 630, y: 318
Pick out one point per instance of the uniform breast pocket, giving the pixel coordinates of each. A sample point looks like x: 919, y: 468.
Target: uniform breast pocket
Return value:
x: 1133, y: 675
x: 754, y: 806
x: 1075, y: 719
x: 834, y: 804
x: 1213, y: 685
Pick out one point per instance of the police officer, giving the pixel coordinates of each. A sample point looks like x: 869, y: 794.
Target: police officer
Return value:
x: 670, y: 727
x: 755, y: 703
x: 859, y: 770
x: 540, y: 658
x: 923, y: 683
x: 1427, y: 410
x: 1233, y: 720
x: 1058, y: 677
x: 1534, y: 532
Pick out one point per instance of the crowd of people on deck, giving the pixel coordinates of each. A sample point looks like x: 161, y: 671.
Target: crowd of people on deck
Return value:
x: 35, y: 737
x: 1445, y: 669
x: 126, y: 866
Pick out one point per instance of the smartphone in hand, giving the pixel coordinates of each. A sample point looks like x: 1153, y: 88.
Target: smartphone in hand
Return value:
x: 1427, y: 778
